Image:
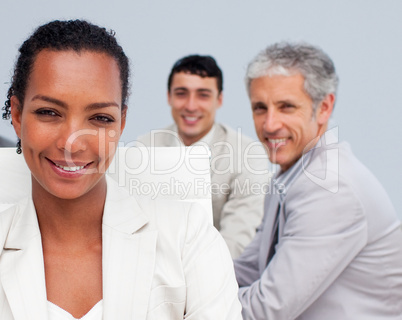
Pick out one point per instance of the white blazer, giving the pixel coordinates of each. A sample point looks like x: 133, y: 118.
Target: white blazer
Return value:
x: 161, y: 260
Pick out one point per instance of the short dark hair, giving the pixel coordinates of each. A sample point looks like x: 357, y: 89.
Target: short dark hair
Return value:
x: 77, y: 35
x: 203, y: 66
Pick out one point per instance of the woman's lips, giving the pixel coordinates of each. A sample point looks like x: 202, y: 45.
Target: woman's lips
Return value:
x: 72, y: 169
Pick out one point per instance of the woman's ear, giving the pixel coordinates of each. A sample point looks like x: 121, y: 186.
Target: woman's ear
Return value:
x: 123, y: 117
x: 16, y: 114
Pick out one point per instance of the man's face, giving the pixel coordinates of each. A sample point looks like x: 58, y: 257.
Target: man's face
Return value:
x: 194, y: 101
x: 284, y: 119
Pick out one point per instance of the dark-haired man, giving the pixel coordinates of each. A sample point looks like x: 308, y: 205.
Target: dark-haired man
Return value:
x: 195, y: 87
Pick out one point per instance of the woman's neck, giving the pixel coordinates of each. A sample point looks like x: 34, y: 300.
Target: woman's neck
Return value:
x: 70, y: 221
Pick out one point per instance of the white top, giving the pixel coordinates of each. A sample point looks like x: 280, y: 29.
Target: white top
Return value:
x: 57, y: 313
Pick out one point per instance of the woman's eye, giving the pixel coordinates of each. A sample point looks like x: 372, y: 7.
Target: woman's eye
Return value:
x: 103, y: 119
x: 46, y: 112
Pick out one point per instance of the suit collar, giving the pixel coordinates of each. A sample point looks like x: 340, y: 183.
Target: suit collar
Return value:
x: 217, y: 149
x: 129, y: 218
x: 24, y: 226
x: 283, y: 181
x: 21, y: 265
x: 217, y: 133
x: 122, y: 212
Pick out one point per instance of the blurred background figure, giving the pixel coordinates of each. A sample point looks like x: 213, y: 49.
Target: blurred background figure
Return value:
x: 195, y: 93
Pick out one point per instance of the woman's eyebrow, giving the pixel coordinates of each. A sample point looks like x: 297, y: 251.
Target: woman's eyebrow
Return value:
x: 50, y: 99
x: 100, y: 105
x: 92, y: 106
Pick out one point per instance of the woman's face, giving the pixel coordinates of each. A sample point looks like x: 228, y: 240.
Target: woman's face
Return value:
x: 70, y: 121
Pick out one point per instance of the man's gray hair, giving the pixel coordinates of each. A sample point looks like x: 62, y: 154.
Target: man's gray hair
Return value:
x: 286, y: 58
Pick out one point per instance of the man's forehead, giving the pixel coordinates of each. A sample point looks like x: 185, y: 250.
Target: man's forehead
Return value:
x: 189, y: 81
x: 279, y: 81
x: 278, y: 88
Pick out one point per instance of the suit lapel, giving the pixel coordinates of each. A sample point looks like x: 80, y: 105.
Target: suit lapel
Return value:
x: 280, y: 185
x: 128, y: 257
x: 270, y: 209
x: 218, y: 149
x: 21, y: 266
x: 170, y: 139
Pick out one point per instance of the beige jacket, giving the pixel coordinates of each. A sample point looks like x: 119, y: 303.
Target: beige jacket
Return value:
x: 238, y: 181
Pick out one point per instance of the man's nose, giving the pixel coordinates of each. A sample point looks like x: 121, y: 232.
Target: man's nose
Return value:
x: 272, y: 121
x: 191, y: 103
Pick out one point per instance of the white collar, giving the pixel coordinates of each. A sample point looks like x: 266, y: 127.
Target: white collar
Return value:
x: 207, y: 139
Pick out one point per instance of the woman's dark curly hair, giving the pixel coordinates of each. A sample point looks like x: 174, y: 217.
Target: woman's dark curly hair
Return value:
x: 77, y: 35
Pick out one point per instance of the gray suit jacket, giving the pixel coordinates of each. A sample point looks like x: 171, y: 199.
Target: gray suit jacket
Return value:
x: 237, y: 192
x: 339, y: 250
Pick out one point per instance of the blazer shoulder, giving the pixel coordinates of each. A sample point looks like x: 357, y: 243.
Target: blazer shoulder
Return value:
x: 236, y: 138
x: 169, y: 209
x: 174, y: 215
x: 158, y: 137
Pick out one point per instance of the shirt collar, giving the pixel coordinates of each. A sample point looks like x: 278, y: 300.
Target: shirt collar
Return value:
x: 207, y: 139
x: 283, y: 181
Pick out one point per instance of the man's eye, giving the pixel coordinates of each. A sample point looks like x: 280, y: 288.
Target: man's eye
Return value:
x: 258, y: 108
x: 287, y: 106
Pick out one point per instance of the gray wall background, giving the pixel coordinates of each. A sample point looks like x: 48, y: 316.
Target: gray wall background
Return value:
x: 364, y: 38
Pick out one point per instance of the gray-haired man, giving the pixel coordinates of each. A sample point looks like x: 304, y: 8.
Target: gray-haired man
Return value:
x: 329, y: 246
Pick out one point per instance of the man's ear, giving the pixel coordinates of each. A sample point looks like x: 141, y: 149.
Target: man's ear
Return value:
x: 168, y: 97
x: 123, y: 117
x: 325, y: 109
x: 16, y: 114
x: 220, y: 99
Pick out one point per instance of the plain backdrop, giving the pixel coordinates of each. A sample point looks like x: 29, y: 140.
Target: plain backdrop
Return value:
x: 364, y: 38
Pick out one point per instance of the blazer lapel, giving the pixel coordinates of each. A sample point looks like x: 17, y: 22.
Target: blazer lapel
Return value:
x: 218, y: 149
x: 22, y: 268
x: 270, y: 209
x: 128, y: 257
x: 171, y: 139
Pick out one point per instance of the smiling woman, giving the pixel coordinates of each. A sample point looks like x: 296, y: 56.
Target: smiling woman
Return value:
x: 80, y: 244
x: 71, y: 97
